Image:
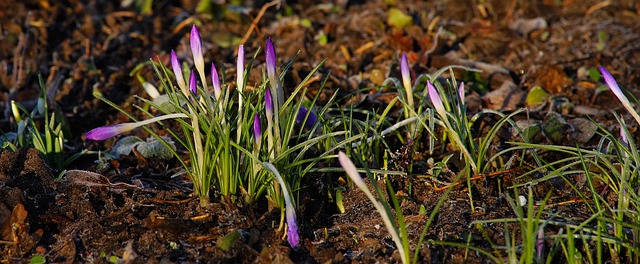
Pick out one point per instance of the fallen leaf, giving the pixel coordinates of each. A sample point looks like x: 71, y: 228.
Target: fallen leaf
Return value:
x: 399, y: 19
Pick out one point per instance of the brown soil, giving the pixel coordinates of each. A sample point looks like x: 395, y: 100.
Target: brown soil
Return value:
x: 135, y: 210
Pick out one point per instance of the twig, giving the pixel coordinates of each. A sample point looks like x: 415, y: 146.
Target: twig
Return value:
x: 254, y: 24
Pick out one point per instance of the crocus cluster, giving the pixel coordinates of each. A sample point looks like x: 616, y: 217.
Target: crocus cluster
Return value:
x: 207, y: 123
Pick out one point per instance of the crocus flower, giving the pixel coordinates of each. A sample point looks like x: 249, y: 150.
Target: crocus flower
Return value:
x: 351, y: 171
x: 461, y: 92
x: 196, y: 50
x: 302, y: 114
x: 292, y: 225
x: 268, y: 102
x: 406, y: 79
x: 276, y: 89
x: 290, y: 211
x: 404, y: 71
x: 270, y: 55
x: 240, y: 87
x: 240, y: 68
x: 177, y: 71
x: 436, y: 100
x: 613, y: 86
x: 217, y: 90
x: 107, y: 132
x: 257, y: 131
x: 193, y: 83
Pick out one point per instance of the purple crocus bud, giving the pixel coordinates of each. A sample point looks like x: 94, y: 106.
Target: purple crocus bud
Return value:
x: 406, y: 79
x: 196, y: 50
x: 270, y: 55
x: 107, y: 132
x: 177, y: 71
x: 540, y: 243
x: 268, y: 101
x: 217, y: 90
x: 292, y: 226
x: 461, y: 92
x: 404, y: 71
x: 240, y: 68
x: 290, y: 209
x: 613, y: 86
x: 302, y: 114
x: 436, y: 100
x: 193, y: 84
x: 257, y: 131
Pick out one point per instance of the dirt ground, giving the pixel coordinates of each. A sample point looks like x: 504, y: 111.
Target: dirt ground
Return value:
x: 135, y: 210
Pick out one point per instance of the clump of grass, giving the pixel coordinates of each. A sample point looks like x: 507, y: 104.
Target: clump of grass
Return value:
x: 612, y: 231
x: 395, y: 225
x: 49, y: 138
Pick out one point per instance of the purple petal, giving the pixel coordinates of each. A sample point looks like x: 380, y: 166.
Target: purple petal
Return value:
x: 217, y: 90
x: 268, y: 101
x: 611, y: 82
x: 196, y: 48
x: 292, y: 226
x: 435, y: 99
x: 404, y: 71
x: 613, y: 86
x: 240, y: 68
x: 107, y: 132
x: 461, y: 92
x: 177, y: 71
x: 257, y: 131
x: 270, y: 55
x: 192, y: 83
x: 302, y: 114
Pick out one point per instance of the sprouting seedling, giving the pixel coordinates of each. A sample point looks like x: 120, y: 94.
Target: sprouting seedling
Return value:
x: 353, y: 174
x: 442, y: 112
x: 613, y: 86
